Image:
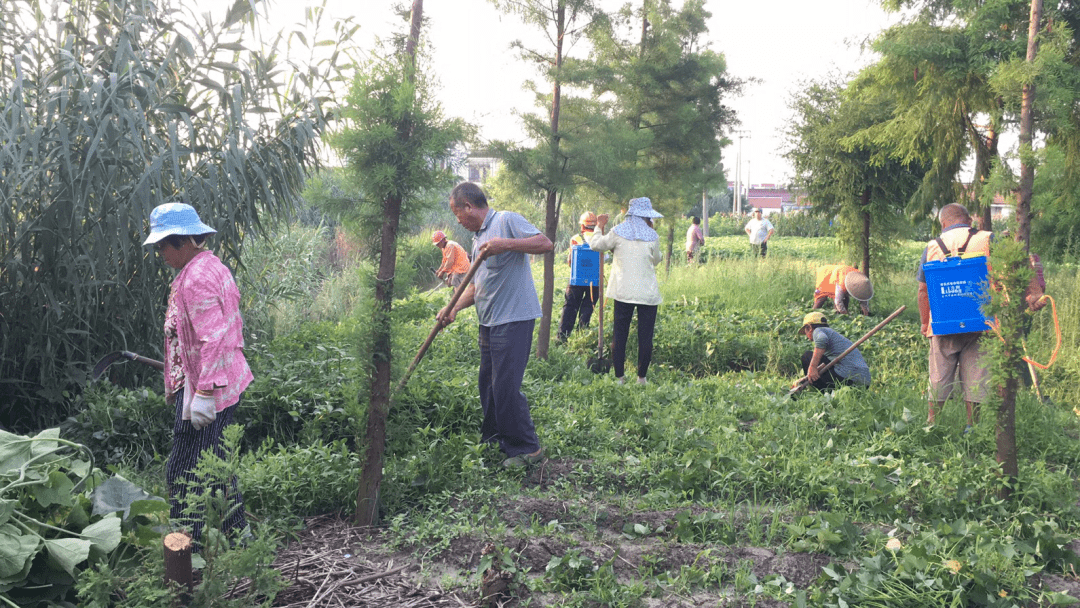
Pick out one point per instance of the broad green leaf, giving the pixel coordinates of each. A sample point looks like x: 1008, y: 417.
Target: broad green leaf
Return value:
x: 45, y: 441
x: 68, y: 552
x: 16, y: 552
x: 7, y: 507
x: 116, y: 494
x: 15, y: 451
x: 58, y: 490
x: 151, y: 505
x: 147, y: 535
x: 105, y: 533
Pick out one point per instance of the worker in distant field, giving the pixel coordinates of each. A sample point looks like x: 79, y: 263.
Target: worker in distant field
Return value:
x: 584, y: 287
x: 760, y: 231
x: 837, y: 281
x: 455, y: 262
x: 828, y: 344
x: 694, y: 239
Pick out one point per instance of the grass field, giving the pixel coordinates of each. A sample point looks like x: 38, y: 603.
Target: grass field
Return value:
x: 706, y: 487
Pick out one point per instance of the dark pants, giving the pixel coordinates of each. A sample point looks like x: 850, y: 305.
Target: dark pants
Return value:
x: 646, y: 322
x: 188, y: 445
x: 759, y: 249
x: 578, y: 305
x: 504, y: 352
x: 830, y: 379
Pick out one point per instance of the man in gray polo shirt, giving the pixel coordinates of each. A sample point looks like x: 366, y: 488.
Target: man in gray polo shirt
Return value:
x: 507, y: 306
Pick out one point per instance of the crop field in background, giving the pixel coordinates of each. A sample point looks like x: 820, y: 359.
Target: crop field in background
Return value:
x: 706, y: 487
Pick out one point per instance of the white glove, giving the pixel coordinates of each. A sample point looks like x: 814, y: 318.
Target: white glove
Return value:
x: 203, y: 411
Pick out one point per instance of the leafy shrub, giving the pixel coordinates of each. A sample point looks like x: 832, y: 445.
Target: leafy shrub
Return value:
x: 58, y: 514
x: 129, y: 426
x: 281, y: 276
x: 700, y: 340
x: 825, y: 532
x: 417, y: 257
x: 282, y: 481
x: 306, y: 386
x: 959, y: 562
x: 138, y: 582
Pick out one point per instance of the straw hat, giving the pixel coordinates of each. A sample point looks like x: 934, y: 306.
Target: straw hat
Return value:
x: 858, y: 286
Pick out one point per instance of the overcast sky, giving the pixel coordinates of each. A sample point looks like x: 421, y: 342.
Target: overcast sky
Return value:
x: 779, y: 42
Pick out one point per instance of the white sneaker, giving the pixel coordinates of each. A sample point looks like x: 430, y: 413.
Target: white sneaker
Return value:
x: 641, y: 380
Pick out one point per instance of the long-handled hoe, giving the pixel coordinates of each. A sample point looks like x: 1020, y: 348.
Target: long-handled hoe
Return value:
x: 600, y: 365
x: 439, y: 325
x: 109, y: 359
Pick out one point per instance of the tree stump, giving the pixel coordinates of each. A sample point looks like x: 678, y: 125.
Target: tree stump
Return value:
x: 178, y: 561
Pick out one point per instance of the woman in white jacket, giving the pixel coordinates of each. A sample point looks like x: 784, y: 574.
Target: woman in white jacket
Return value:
x: 632, y: 284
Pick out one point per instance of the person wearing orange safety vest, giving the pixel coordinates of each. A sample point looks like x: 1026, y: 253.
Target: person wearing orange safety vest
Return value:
x: 838, y: 281
x: 455, y: 262
x: 580, y: 299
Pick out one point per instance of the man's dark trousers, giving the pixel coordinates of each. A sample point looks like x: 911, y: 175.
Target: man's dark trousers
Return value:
x: 579, y: 304
x: 504, y: 352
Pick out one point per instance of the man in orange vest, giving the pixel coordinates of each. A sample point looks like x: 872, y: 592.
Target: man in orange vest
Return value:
x: 837, y: 281
x: 455, y: 262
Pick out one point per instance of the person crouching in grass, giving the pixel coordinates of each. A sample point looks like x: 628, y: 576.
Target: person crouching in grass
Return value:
x: 829, y: 344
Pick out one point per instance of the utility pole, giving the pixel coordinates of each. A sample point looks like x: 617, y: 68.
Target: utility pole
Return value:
x: 704, y: 209
x: 736, y: 203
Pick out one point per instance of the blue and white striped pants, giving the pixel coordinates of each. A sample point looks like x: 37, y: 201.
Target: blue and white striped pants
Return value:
x: 187, y: 446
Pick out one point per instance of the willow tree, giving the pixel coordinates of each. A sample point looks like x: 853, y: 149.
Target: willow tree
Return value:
x: 397, y: 146
x: 111, y: 107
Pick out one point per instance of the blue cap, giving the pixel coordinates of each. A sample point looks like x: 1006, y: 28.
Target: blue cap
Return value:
x: 175, y: 218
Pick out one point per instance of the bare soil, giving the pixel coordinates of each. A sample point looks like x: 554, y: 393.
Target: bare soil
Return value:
x: 326, y: 561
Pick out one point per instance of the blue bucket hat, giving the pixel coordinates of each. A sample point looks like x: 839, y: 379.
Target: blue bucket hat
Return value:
x: 175, y: 218
x: 642, y: 207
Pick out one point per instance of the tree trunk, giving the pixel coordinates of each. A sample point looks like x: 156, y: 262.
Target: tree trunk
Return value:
x: 367, y: 494
x: 1006, y: 418
x: 551, y: 225
x: 992, y: 140
x: 1005, y: 432
x: 551, y: 212
x: 864, y: 200
x: 1027, y: 123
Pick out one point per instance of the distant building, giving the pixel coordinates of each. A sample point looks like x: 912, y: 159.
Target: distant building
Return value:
x: 773, y: 199
x: 479, y: 166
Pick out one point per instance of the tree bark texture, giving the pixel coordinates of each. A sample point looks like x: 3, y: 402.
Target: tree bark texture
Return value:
x: 178, y: 562
x: 379, y: 405
x: 1005, y: 432
x: 551, y: 209
x: 1027, y: 124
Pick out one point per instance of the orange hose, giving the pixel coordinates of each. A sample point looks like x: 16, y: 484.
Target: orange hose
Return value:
x: 1057, y: 334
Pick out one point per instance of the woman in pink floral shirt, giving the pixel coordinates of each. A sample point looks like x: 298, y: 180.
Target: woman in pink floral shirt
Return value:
x: 205, y: 368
